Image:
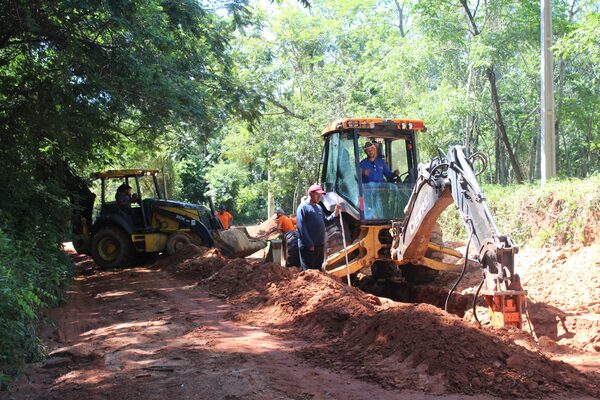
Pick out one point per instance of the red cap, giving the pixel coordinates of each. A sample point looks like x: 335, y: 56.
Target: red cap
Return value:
x: 316, y: 188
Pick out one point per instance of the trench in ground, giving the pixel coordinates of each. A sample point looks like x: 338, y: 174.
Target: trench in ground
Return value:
x: 406, y: 292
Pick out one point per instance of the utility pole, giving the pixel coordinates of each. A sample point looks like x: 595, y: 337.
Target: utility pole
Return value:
x: 547, y: 140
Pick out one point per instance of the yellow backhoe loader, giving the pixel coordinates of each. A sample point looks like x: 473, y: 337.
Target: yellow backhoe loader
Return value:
x: 390, y: 226
x: 120, y: 234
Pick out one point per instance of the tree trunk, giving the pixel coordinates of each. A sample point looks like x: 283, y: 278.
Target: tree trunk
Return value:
x: 500, y: 125
x: 557, y: 135
x: 294, y: 200
x: 498, y: 156
x: 491, y: 75
x: 589, y: 144
x: 470, y: 121
x: 568, y: 172
x: 561, y: 84
x: 400, y: 8
x: 270, y: 198
x: 537, y: 159
x: 476, y: 136
x: 532, y: 154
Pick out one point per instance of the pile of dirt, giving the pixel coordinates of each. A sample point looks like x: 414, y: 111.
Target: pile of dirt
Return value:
x: 568, y: 278
x: 564, y: 294
x: 192, y: 262
x: 267, y: 230
x: 563, y: 286
x: 395, y: 344
x: 434, y: 294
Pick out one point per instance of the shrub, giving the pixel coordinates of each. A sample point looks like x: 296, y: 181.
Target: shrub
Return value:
x: 562, y: 211
x: 33, y: 270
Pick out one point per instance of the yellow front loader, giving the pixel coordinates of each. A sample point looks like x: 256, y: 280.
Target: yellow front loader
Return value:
x: 152, y: 224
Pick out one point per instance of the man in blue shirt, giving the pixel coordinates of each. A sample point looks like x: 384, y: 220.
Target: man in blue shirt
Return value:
x: 311, y: 222
x: 373, y: 168
x: 124, y: 197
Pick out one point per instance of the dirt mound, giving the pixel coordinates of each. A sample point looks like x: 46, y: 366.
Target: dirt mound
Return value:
x: 564, y: 294
x: 246, y: 279
x: 405, y: 292
x: 185, y: 253
x: 568, y: 277
x: 563, y: 287
x: 267, y: 230
x: 193, y: 262
x: 398, y: 345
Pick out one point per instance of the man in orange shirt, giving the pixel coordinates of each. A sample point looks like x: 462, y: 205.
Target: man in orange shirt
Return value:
x: 286, y: 224
x: 225, y: 217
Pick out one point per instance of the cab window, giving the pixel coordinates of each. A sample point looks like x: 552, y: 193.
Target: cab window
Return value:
x: 386, y: 199
x: 347, y: 176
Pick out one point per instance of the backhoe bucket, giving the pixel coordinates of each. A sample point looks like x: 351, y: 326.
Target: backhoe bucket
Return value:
x: 236, y: 242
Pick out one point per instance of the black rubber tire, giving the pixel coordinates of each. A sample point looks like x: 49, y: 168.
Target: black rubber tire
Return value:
x: 112, y: 247
x: 335, y: 241
x: 292, y: 256
x: 419, y: 274
x: 177, y: 241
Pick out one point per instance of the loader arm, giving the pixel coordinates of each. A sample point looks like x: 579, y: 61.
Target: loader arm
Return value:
x: 451, y: 179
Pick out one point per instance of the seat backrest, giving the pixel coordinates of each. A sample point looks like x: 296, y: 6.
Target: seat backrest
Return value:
x: 109, y: 208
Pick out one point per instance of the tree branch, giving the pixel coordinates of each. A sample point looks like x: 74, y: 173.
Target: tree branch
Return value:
x: 400, y: 9
x: 286, y: 110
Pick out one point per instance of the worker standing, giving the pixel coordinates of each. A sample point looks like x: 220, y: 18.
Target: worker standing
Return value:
x: 224, y: 216
x: 311, y: 229
x: 286, y: 223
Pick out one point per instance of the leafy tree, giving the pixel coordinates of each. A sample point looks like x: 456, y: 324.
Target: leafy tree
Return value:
x: 89, y: 84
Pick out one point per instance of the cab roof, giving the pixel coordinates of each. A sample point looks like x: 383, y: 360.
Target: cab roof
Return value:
x: 124, y: 173
x: 375, y: 125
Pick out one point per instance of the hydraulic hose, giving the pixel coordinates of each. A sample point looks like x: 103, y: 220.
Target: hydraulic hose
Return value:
x: 475, y: 299
x: 464, y: 268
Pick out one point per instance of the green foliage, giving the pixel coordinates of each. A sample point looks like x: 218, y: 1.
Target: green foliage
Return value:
x: 560, y: 212
x: 90, y: 85
x: 33, y: 270
x: 33, y: 275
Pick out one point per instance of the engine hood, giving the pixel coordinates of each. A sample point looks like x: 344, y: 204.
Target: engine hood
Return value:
x: 178, y: 204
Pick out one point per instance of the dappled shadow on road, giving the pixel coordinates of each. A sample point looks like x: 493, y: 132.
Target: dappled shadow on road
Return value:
x: 141, y: 334
x: 396, y: 345
x: 197, y: 329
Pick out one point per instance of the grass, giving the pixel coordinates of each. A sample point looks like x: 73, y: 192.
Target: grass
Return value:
x: 558, y: 213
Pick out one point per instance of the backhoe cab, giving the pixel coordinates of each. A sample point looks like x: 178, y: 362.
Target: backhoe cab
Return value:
x: 370, y: 207
x: 151, y: 223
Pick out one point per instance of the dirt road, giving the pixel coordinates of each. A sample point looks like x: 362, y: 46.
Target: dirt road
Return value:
x: 142, y: 334
x: 209, y: 328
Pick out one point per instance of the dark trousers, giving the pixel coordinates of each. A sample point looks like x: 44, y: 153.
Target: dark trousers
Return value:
x: 312, y: 259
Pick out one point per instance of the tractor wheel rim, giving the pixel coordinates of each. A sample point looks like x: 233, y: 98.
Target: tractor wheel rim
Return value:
x: 108, y: 249
x: 180, y: 244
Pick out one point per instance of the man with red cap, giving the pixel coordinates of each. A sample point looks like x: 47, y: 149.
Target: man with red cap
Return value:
x: 311, y: 223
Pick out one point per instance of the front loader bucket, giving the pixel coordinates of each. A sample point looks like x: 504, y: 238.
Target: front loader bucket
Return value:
x: 236, y: 242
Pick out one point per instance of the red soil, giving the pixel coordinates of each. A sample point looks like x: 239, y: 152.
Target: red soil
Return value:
x: 198, y: 325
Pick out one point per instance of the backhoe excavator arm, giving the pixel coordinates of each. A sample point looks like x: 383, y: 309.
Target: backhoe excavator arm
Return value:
x: 451, y: 179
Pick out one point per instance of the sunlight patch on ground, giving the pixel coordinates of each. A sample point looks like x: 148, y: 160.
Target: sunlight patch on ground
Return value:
x: 113, y: 294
